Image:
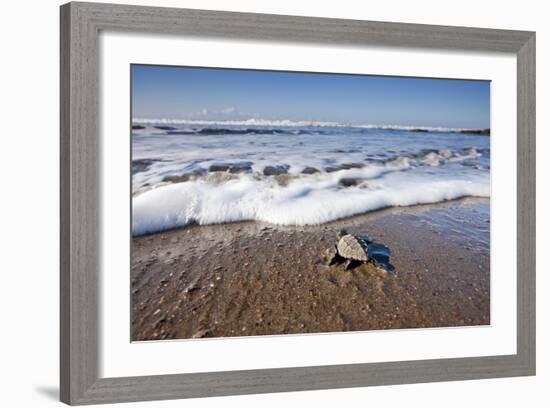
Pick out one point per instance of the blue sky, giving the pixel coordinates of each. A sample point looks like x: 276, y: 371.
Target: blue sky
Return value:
x: 218, y: 94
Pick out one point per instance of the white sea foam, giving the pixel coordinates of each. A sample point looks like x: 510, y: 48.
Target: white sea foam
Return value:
x: 244, y: 122
x: 306, y: 201
x: 288, y: 123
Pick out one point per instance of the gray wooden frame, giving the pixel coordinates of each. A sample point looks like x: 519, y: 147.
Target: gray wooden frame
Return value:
x: 80, y: 234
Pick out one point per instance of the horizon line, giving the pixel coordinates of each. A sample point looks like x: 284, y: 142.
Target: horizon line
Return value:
x: 294, y: 123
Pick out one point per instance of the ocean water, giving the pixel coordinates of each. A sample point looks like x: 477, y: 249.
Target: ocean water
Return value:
x: 295, y: 173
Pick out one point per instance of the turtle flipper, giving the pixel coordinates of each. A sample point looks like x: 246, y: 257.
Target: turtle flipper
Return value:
x: 331, y: 256
x: 336, y: 259
x: 379, y: 255
x: 351, y: 263
x: 366, y: 239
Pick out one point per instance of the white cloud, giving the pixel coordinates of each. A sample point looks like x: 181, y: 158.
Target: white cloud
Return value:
x: 228, y: 113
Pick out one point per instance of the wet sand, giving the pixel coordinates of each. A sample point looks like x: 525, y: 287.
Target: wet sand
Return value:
x: 250, y: 278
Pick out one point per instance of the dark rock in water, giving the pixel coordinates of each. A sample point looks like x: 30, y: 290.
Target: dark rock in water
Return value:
x: 165, y: 127
x: 239, y: 167
x: 310, y: 170
x: 207, y: 131
x: 177, y: 179
x: 140, y: 165
x: 138, y: 127
x: 344, y: 166
x: 218, y: 167
x: 483, y: 132
x: 344, y: 151
x: 219, y: 131
x: 180, y: 178
x: 276, y: 170
x: 352, y: 166
x: 419, y: 130
x: 349, y: 181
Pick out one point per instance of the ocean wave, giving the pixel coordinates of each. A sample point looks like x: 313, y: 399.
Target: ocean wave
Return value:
x: 294, y: 175
x: 307, y: 201
x: 221, y: 131
x: 370, y: 167
x: 290, y: 123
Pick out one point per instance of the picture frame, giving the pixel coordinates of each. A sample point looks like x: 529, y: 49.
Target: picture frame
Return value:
x: 81, y: 24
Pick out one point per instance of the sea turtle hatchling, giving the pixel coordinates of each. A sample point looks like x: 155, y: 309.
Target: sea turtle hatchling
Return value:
x: 355, y: 249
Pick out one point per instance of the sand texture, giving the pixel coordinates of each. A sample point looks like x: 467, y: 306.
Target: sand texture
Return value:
x: 249, y: 278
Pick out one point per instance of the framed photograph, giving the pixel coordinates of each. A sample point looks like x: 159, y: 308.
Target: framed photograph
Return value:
x: 261, y: 203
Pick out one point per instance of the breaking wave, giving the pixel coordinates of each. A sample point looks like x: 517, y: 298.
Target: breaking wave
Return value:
x: 184, y: 174
x: 287, y: 123
x: 303, y: 202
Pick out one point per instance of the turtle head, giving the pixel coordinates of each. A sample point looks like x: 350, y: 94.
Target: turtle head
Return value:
x: 342, y: 232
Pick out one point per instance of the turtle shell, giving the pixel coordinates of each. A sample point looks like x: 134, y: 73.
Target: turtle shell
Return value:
x: 353, y: 247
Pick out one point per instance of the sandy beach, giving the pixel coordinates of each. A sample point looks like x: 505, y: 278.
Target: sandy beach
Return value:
x: 253, y: 278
